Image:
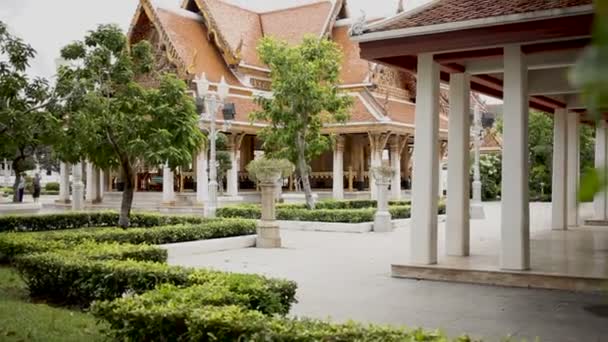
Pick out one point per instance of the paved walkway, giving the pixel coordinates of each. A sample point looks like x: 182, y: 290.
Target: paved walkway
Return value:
x: 346, y: 276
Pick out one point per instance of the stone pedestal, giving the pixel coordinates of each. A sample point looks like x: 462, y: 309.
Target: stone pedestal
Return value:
x: 268, y: 228
x: 168, y: 191
x: 382, y: 218
x: 476, y: 209
x: 77, y: 188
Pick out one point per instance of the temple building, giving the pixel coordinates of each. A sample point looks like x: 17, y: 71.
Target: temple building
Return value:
x: 219, y: 39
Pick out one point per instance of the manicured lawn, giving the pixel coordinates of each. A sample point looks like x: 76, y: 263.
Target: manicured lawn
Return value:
x: 22, y: 320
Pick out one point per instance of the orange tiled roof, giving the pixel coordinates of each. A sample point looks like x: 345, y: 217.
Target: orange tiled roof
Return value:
x: 448, y: 11
x: 240, y: 27
x: 189, y: 38
x: 354, y: 69
x: 291, y: 24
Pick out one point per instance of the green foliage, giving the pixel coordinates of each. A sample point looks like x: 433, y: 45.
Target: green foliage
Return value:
x: 66, y: 278
x: 25, y: 122
x: 159, y: 235
x: 210, y: 322
x: 51, y: 186
x: 589, y: 73
x: 71, y: 220
x: 115, y: 122
x: 326, y: 211
x: 23, y: 320
x: 540, y: 145
x: 263, y: 169
x: 14, y: 244
x: 306, y: 96
x: 161, y: 314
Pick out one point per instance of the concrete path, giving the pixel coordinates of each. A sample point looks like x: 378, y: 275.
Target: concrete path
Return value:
x: 346, y: 276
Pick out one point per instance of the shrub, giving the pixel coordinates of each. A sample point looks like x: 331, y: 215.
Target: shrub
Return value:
x: 329, y: 211
x: 64, y: 277
x: 51, y: 186
x: 83, y: 220
x: 234, y: 323
x: 158, y: 235
x: 327, y: 215
x: 13, y: 244
x: 161, y: 314
x: 138, y: 322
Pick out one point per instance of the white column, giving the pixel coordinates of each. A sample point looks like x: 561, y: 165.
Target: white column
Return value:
x: 423, y: 231
x: 64, y: 182
x: 573, y: 170
x: 515, y: 225
x: 202, y: 178
x: 560, y: 172
x: 457, y: 206
x: 91, y: 193
x: 396, y: 146
x: 375, y: 161
x: 77, y: 187
x: 168, y: 192
x: 338, y: 169
x: 232, y: 180
x: 601, y: 140
x: 101, y: 184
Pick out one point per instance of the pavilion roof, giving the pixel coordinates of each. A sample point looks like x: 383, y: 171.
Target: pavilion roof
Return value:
x: 451, y: 11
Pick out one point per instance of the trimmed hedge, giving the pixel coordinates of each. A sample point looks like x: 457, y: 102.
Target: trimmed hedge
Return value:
x: 84, y: 220
x: 293, y: 213
x: 13, y: 244
x: 170, y: 317
x: 52, y: 186
x: 161, y: 314
x: 211, y: 229
x: 67, y: 278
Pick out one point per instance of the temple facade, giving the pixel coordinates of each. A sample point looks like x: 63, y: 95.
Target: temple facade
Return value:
x: 219, y: 40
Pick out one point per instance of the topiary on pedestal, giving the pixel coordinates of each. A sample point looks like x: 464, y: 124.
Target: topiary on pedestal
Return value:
x: 267, y: 172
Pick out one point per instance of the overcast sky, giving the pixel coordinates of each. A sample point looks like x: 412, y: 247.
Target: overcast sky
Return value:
x: 49, y: 25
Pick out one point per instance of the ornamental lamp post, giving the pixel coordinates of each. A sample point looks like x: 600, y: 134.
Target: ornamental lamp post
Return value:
x: 211, y: 104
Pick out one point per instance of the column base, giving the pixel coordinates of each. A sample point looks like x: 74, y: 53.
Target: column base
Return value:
x: 382, y: 222
x: 476, y: 211
x: 268, y: 235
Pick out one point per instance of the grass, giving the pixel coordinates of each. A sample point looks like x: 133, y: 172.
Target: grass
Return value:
x: 23, y: 320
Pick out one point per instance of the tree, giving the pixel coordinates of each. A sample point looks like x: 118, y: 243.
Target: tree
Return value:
x: 113, y: 121
x: 305, y: 81
x: 25, y: 125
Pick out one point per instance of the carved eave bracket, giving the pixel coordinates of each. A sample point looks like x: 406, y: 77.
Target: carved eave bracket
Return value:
x: 232, y: 57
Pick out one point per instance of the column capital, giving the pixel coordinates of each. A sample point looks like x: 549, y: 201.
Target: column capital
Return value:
x: 339, y: 143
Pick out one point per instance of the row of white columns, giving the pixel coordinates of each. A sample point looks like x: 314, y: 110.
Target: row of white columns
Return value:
x: 91, y: 193
x: 515, y: 213
x: 378, y: 142
x: 515, y: 220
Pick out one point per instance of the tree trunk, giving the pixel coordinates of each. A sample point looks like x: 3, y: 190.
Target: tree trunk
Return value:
x: 127, y: 195
x: 304, y: 174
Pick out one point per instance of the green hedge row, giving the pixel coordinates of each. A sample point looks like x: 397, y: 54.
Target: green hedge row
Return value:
x: 84, y: 220
x: 343, y: 204
x: 68, y: 277
x: 16, y: 243
x: 316, y: 215
x: 202, y: 313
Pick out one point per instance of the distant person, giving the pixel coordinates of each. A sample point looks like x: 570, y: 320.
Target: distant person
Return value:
x: 21, y: 188
x: 37, y: 189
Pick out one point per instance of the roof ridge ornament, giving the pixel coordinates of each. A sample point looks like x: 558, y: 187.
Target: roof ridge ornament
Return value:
x: 400, y: 6
x: 358, y: 27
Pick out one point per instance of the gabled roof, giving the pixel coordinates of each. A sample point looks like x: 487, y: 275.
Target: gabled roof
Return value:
x: 236, y: 30
x: 292, y: 24
x: 450, y: 11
